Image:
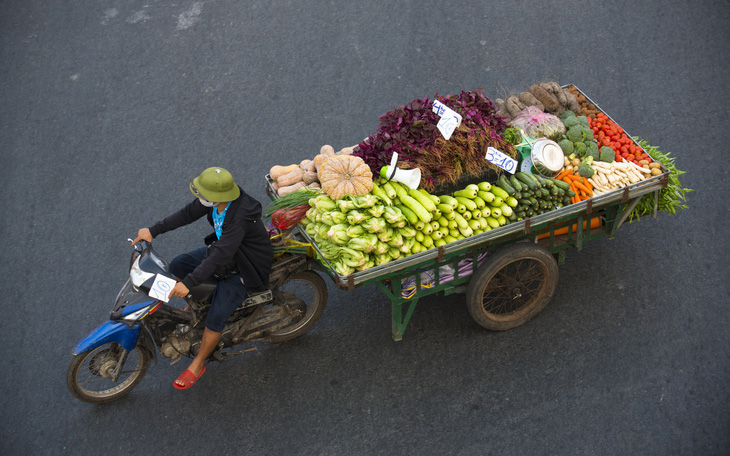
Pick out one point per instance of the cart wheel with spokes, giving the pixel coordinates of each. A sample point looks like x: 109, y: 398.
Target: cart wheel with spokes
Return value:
x: 512, y: 287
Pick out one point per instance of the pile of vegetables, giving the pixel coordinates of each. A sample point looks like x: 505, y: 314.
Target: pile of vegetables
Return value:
x: 358, y: 221
x: 579, y: 137
x: 410, y: 130
x: 290, y: 178
x: 394, y: 221
x: 534, y: 194
x: 610, y: 134
x: 548, y: 97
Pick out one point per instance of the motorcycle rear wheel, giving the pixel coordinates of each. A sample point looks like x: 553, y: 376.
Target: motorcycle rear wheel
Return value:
x: 309, y: 287
x: 88, y: 374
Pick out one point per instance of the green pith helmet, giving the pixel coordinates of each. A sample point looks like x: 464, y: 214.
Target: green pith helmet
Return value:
x: 216, y: 185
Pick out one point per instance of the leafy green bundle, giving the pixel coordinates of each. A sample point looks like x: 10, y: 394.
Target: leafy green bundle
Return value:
x: 410, y: 130
x: 672, y: 197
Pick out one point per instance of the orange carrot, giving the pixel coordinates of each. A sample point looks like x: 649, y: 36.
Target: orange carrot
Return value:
x: 582, y: 188
x: 562, y: 174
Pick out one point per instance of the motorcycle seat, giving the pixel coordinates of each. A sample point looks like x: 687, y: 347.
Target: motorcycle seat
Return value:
x: 203, y: 292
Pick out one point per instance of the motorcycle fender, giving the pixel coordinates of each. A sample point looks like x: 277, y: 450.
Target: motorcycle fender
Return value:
x: 110, y: 331
x: 146, y: 340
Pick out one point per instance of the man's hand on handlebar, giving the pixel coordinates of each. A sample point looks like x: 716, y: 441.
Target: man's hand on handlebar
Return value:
x: 180, y: 290
x: 143, y: 235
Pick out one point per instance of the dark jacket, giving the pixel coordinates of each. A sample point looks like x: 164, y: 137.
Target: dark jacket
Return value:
x: 244, y: 238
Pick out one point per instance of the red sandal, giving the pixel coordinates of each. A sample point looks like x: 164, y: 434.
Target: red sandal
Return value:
x: 188, y: 379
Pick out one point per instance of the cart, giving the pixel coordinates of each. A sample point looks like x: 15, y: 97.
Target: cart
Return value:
x: 509, y: 273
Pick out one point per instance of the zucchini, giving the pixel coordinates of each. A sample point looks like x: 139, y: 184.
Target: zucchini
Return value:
x: 419, y: 236
x: 408, y: 214
x: 493, y: 223
x: 380, y: 193
x: 450, y: 200
x: 423, y: 199
x: 470, y: 204
x: 461, y: 221
x: 486, y: 211
x: 389, y: 190
x: 484, y: 186
x: 466, y: 193
x: 480, y: 202
x: 488, y: 197
x: 445, y: 208
x: 506, y: 210
x: 466, y: 232
x: 474, y: 224
x: 499, y: 192
x: 428, y: 240
x: 527, y: 179
x: 413, y: 204
x: 433, y: 198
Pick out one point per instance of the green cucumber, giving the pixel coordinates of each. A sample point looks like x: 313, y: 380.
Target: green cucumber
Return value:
x: 516, y: 184
x: 503, y: 183
x: 560, y: 184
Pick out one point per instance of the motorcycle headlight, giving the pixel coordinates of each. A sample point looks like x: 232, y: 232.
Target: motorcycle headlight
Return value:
x: 137, y: 275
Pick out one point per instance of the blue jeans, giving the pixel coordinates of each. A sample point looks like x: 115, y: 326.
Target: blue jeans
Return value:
x: 228, y: 295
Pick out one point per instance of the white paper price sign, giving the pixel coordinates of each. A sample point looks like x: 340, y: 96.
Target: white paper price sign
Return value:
x: 450, y: 119
x: 505, y: 162
x: 162, y: 287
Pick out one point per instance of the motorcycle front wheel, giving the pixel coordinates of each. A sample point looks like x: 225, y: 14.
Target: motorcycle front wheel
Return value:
x: 89, y: 374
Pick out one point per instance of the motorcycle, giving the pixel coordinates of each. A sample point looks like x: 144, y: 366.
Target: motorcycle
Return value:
x: 112, y: 360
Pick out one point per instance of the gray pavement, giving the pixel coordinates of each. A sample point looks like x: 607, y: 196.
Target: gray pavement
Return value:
x: 109, y: 108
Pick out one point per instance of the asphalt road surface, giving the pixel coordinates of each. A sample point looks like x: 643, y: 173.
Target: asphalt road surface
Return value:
x: 109, y: 108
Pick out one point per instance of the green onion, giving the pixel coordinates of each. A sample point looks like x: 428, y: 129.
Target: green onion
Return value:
x: 293, y: 199
x: 672, y: 197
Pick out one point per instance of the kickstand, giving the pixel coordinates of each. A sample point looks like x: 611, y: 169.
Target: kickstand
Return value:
x: 220, y: 356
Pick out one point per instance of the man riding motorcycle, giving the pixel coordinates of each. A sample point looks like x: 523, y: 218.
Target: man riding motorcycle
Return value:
x: 237, y: 255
